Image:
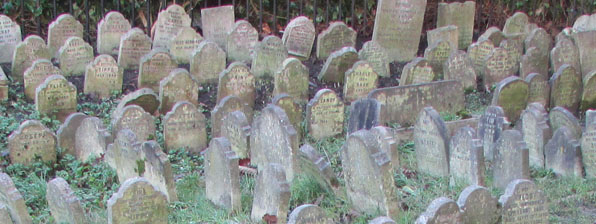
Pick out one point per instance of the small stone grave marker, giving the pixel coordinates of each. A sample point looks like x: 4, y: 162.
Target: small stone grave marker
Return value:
x: 514, y: 46
x: 359, y: 81
x: 511, y: 94
x: 325, y: 115
x: 144, y: 97
x: 498, y: 65
x: 177, y: 86
x: 109, y: 31
x: 494, y: 34
x: 589, y: 92
x: 539, y: 89
x: 561, y: 117
x: 566, y: 89
x: 441, y: 210
x: 237, y: 80
x: 103, y: 76
x: 431, y: 143
x: 533, y: 61
x: 207, y: 61
x: 221, y: 175
x: 32, y: 139
x: 292, y: 79
x: 185, y: 42
x: 14, y: 202
x: 511, y: 159
x: 460, y: 14
x: 388, y: 143
x: 337, y: 36
x: 490, y: 127
x: 563, y: 154
x: 158, y: 170
x: 299, y: 37
x: 124, y: 154
x: 268, y: 56
x: 477, y: 205
x: 308, y: 213
x: 153, y: 68
x: 337, y: 64
x: 449, y: 33
x: 56, y: 96
x: 185, y: 127
x: 564, y: 52
x: 459, y: 67
x: 59, y: 30
x: 11, y: 36
x: 67, y: 131
x: 364, y: 114
x: 241, y: 41
x: 36, y: 74
x: 169, y: 22
x: 217, y: 22
x: 236, y: 130
x: 133, y: 46
x: 466, y: 157
x: 317, y: 166
x: 417, y: 71
x: 516, y: 23
x: 91, y: 139
x: 536, y: 133
x: 138, y: 201
x: 523, y: 201
x: 64, y: 205
x: 226, y: 105
x: 587, y: 53
x: 74, y: 56
x: 136, y: 119
x: 377, y: 57
x: 437, y: 54
x: 271, y: 194
x: 292, y: 108
x: 585, y: 23
x: 477, y: 52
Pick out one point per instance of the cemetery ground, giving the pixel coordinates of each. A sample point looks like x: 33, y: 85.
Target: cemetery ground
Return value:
x: 572, y: 199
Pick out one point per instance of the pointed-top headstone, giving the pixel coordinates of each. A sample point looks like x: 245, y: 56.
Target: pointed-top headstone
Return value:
x: 431, y: 143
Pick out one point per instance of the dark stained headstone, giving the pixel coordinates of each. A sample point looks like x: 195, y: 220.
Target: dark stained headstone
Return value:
x: 364, y: 114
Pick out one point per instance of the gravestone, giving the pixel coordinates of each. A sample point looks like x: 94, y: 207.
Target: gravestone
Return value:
x: 64, y: 205
x: 273, y: 139
x: 169, y: 22
x: 226, y: 105
x: 498, y: 65
x: 299, y: 37
x: 564, y: 52
x: 133, y: 46
x: 318, y: 167
x: 271, y: 194
x: 185, y: 127
x: 359, y: 81
x: 511, y: 94
x: 437, y: 54
x: 292, y: 78
x: 109, y: 31
x: 566, y: 89
x: 477, y: 52
x: 516, y: 23
x: 539, y: 39
x: 533, y: 61
x: 144, y: 97
x: 158, y: 170
x: 511, y: 159
x: 10, y: 38
x: 103, y: 76
x: 523, y: 201
x: 459, y: 67
x: 56, y: 96
x: 561, y: 117
x: 563, y: 154
x: 153, y: 67
x: 91, y: 139
x: 441, y: 210
x: 587, y: 53
x: 216, y: 23
x: 308, y: 214
x: 536, y: 133
x: 14, y: 202
x: 177, y: 86
x: 539, y: 91
x: 36, y: 74
x: 373, y: 53
x: 382, y: 220
x: 364, y: 114
x: 431, y: 142
x: 590, y: 116
x: 337, y: 64
x: 514, y: 46
x: 400, y: 101
x: 494, y: 34
x: 585, y: 23
x: 59, y: 30
x: 268, y: 56
x: 292, y: 108
x: 241, y: 41
x: 477, y: 205
x: 138, y: 201
x: 4, y: 213
x: 125, y: 154
x: 236, y: 130
x: 67, y: 131
x: 388, y: 143
x: 136, y: 119
x: 31, y: 139
x: 3, y: 86
x: 237, y: 80
x: 466, y: 157
x: 368, y: 175
x: 325, y: 115
x: 74, y: 56
x: 416, y: 72
x: 461, y: 15
x: 589, y: 92
x: 397, y: 28
x: 207, y: 61
x: 337, y: 36
x: 588, y: 147
x: 221, y: 175
x: 185, y: 42
x: 447, y: 33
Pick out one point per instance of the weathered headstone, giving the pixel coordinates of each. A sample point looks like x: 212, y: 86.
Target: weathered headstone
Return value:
x: 221, y: 175
x: 364, y: 114
x: 540, y: 39
x: 490, y: 127
x: 144, y: 97
x: 368, y: 175
x: 185, y: 127
x: 5, y: 213
x: 461, y: 15
x: 91, y: 139
x: 511, y: 94
x: 133, y: 46
x: 514, y: 46
x: 466, y: 157
x: 561, y: 117
x: 59, y: 30
x: 153, y: 68
x: 109, y: 31
x: 589, y: 92
x: 177, y: 86
x: 477, y: 52
x: 325, y: 115
x: 459, y: 67
x: 136, y: 119
x: 494, y: 34
x: 292, y: 108
x: 516, y: 23
x: 536, y: 133
x: 447, y: 33
x: 56, y: 96
x: 25, y: 53
x: 498, y: 65
x: 539, y: 89
x: 308, y: 214
x: 185, y: 42
x: 67, y: 131
x: 226, y: 105
x: 564, y: 52
x: 217, y: 22
x: 587, y: 53
x: 318, y: 167
x: 523, y: 202
x: 241, y: 41
x: 207, y: 62
x: 566, y: 89
x: 3, y: 86
x: 417, y: 71
x: 337, y: 64
x: 563, y: 154
x: 388, y: 143
x: 588, y: 147
x: 441, y: 210
x: 477, y: 205
x: 237, y: 80
x: 103, y: 76
x: 64, y: 205
x: 398, y: 25
x: 11, y: 36
x: 437, y: 54
x: 533, y: 61
x: 292, y: 79
x: 373, y: 53
x: 169, y: 22
x: 14, y: 202
x: 137, y: 201
x: 585, y: 23
x: 268, y: 56
x: 359, y: 81
x: 158, y: 170
x: 431, y: 143
x: 74, y: 56
x: 236, y: 130
x: 337, y: 36
x: 36, y: 74
x: 273, y: 139
x: 30, y: 140
x: 125, y: 154
x: 271, y: 194
x: 299, y: 37
x: 511, y: 159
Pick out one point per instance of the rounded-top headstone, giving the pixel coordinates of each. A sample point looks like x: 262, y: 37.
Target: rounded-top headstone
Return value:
x: 566, y: 88
x: 337, y: 36
x: 64, y: 205
x: 237, y: 80
x: 74, y: 56
x: 62, y: 28
x: 109, y: 31
x: 137, y: 201
x: 377, y: 57
x: 11, y: 36
x: 523, y: 202
x: 36, y: 74
x: 325, y: 115
x: 431, y: 143
x: 477, y: 205
x: 511, y: 94
x: 154, y: 67
x: 168, y: 23
x: 13, y: 200
x: 241, y: 41
x: 308, y: 214
x: 103, y: 77
x: 184, y: 43
x: 268, y: 56
x: 177, y: 86
x: 56, y: 96
x: 208, y: 60
x: 132, y: 47
x: 185, y: 127
x: 299, y: 37
x: 441, y: 210
x: 25, y: 53
x: 30, y: 140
